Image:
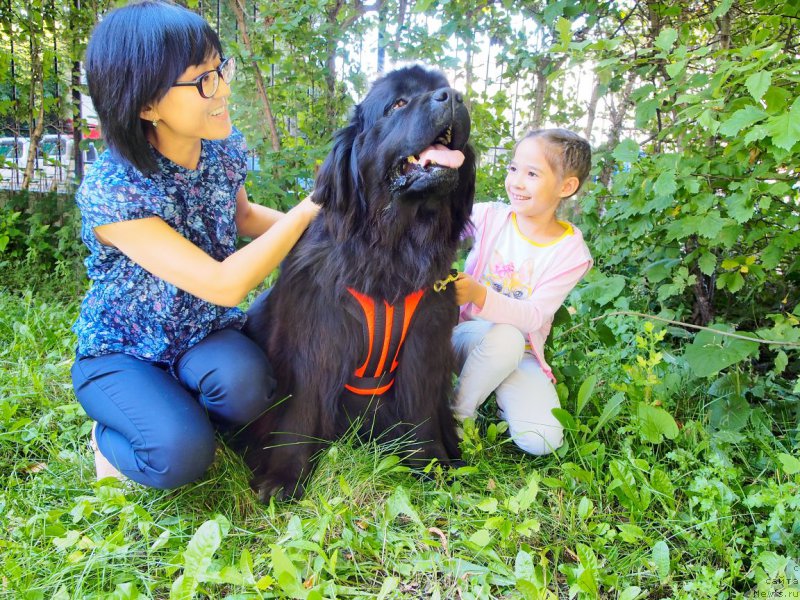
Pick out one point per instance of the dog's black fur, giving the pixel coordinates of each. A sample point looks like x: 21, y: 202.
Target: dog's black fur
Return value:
x: 385, y: 231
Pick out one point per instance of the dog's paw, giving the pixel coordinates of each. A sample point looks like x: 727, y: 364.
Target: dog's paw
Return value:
x: 280, y: 488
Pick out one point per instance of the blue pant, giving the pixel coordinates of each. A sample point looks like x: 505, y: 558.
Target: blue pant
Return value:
x: 159, y: 430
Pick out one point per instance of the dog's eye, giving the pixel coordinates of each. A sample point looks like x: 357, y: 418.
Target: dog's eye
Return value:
x: 399, y: 103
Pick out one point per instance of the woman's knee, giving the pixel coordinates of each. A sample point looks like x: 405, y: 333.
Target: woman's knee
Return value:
x: 232, y: 375
x: 505, y: 342
x: 246, y: 392
x: 182, y: 458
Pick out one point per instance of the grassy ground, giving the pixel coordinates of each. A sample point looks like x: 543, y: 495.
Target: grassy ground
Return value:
x: 628, y: 508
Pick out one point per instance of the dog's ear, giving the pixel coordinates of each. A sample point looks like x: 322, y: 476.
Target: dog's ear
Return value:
x: 337, y: 187
x: 464, y: 195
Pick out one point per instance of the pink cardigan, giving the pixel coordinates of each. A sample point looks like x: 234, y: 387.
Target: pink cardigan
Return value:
x: 534, y: 315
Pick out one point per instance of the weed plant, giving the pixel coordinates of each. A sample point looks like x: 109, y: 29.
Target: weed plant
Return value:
x: 656, y: 493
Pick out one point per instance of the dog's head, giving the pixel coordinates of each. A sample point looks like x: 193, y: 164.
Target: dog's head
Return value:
x: 404, y: 157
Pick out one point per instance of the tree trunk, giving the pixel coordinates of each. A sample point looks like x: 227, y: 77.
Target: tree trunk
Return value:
x: 75, y: 93
x: 591, y: 109
x: 703, y: 309
x: 261, y: 87
x: 539, y: 93
x: 617, y: 115
x: 381, y: 40
x: 402, y: 7
x: 37, y: 116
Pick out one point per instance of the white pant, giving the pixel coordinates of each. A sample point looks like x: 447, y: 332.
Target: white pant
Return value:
x: 492, y: 358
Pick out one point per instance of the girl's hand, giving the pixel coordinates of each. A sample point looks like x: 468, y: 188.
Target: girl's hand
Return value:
x: 469, y: 290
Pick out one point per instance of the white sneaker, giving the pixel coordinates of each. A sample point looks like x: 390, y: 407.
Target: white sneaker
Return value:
x: 102, y: 466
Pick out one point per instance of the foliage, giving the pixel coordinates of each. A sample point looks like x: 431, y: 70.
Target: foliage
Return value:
x: 704, y: 513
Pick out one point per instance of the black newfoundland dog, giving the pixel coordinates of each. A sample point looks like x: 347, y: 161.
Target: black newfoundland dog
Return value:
x: 356, y: 327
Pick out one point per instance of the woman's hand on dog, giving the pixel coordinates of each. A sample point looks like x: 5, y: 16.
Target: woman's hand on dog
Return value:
x: 308, y: 207
x: 469, y: 290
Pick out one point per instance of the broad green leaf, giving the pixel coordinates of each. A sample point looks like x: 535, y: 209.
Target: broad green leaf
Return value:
x: 525, y: 497
x: 790, y: 464
x: 585, y: 392
x: 585, y: 508
x: 708, y: 121
x: 742, y: 119
x: 610, y: 410
x: 126, y: 591
x: 389, y: 585
x: 721, y: 10
x: 707, y: 226
x: 625, y: 480
x: 564, y: 28
x: 645, y: 110
x: 605, y: 334
x: 660, y: 555
x: 627, y: 151
x: 631, y: 593
x: 655, y: 423
x: 481, y: 538
x: 488, y: 505
x: 729, y: 412
x: 777, y: 98
x: 604, y: 289
x: 758, y: 84
x: 676, y: 68
x: 286, y: 574
x: 523, y: 566
x: 630, y: 533
x: 666, y: 38
x: 781, y: 362
x: 711, y: 352
x: 588, y: 580
x: 661, y: 269
x: 785, y: 129
x: 665, y: 185
x: 774, y: 564
x: 731, y: 281
x: 388, y: 463
x: 759, y: 132
x: 400, y: 503
x: 565, y: 418
x: 707, y: 263
x: 740, y: 207
x: 197, y: 560
x: 661, y: 483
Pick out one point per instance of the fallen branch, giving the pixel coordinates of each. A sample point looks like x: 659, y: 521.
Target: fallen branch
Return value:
x: 682, y: 324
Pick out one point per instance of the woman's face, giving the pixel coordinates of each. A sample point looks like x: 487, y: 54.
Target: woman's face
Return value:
x: 184, y: 116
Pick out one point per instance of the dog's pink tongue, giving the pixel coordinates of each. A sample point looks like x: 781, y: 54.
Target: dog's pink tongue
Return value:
x: 441, y: 155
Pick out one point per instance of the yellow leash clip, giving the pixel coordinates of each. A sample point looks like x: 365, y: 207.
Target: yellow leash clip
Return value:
x: 441, y: 284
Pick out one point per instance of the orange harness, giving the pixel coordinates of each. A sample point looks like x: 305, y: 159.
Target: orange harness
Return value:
x: 385, y: 330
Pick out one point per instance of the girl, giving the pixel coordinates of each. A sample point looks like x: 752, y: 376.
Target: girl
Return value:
x: 161, y: 359
x: 520, y: 270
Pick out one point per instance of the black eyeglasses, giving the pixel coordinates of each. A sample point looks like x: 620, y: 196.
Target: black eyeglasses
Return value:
x: 207, y: 83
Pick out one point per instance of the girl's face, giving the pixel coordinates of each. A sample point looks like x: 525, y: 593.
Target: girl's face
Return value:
x: 534, y: 189
x: 184, y: 116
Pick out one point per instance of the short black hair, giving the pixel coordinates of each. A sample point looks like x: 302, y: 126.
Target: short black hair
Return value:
x: 134, y: 56
x: 567, y: 153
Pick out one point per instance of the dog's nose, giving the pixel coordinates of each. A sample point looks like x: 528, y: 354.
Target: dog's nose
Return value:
x: 444, y: 94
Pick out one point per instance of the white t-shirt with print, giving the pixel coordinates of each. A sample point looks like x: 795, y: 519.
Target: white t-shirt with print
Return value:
x: 517, y: 262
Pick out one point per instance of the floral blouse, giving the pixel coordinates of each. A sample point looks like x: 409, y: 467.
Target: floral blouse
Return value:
x: 128, y: 309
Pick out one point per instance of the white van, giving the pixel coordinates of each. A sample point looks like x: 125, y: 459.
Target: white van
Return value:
x: 53, y: 167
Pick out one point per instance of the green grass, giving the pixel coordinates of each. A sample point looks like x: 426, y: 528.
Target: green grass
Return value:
x: 618, y: 512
